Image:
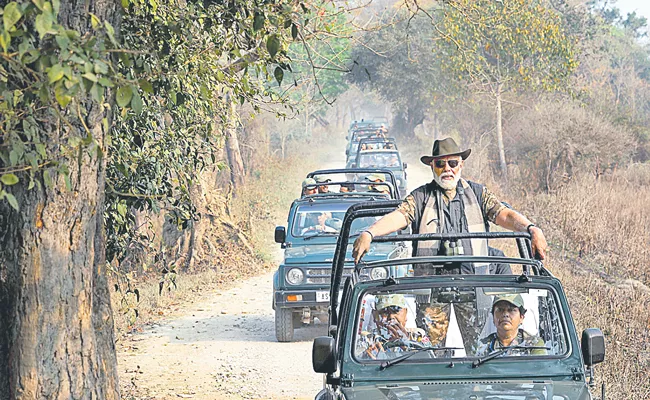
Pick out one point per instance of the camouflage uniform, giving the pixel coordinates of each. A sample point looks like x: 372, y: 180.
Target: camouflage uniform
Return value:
x: 491, y: 343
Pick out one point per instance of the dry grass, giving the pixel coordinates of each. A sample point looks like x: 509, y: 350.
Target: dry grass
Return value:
x: 599, y: 237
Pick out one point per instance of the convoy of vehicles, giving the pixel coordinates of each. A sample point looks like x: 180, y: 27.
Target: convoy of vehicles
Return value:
x: 396, y: 334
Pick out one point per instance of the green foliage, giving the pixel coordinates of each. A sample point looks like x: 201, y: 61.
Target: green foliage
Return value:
x: 518, y: 44
x: 47, y: 72
x: 190, y: 64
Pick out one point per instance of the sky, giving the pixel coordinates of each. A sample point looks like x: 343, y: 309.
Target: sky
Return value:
x: 641, y: 7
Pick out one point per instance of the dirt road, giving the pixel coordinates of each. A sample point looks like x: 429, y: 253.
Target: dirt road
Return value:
x: 225, y: 348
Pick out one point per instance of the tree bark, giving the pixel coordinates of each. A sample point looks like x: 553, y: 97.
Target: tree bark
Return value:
x: 233, y: 152
x: 56, y: 324
x: 502, y: 154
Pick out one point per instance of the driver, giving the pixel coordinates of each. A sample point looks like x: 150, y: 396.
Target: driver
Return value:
x: 508, y: 313
x: 320, y: 225
x: 390, y: 333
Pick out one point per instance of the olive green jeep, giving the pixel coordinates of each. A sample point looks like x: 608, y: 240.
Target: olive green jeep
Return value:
x: 443, y: 335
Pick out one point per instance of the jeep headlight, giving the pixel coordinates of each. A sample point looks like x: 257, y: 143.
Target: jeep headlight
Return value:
x: 295, y: 276
x: 378, y: 273
x: 399, y: 182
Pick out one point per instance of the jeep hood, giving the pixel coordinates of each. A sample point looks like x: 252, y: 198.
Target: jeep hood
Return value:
x: 324, y: 253
x: 475, y: 390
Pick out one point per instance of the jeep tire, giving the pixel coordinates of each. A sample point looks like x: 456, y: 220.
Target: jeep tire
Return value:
x: 283, y: 324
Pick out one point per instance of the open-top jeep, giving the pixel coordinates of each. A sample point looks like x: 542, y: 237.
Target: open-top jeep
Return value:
x: 385, y: 159
x: 444, y: 335
x: 301, y: 284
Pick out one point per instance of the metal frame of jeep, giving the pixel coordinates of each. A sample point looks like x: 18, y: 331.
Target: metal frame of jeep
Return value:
x: 391, y: 182
x: 574, y: 370
x: 367, y: 140
x: 401, y: 168
x: 305, y: 305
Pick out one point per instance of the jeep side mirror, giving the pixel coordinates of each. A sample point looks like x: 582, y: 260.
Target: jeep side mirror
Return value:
x: 593, y: 346
x: 323, y: 355
x: 280, y: 234
x: 346, y: 137
x: 404, y: 165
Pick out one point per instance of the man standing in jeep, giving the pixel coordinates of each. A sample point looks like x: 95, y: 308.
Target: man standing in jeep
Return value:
x: 450, y: 204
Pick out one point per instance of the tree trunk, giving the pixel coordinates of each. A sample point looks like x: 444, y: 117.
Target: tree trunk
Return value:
x: 235, y: 161
x: 502, y: 154
x: 56, y: 324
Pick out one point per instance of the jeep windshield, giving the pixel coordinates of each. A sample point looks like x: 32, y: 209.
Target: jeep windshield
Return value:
x: 380, y: 159
x: 316, y: 220
x: 487, y: 323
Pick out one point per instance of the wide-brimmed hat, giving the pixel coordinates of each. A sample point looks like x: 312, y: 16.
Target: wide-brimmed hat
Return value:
x: 376, y: 177
x: 443, y: 148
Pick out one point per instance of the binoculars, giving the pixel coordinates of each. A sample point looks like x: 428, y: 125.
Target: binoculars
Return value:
x: 452, y: 248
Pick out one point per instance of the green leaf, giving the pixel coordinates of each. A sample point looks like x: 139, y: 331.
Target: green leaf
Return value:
x: 97, y: 92
x: 44, y: 23
x: 5, y: 41
x: 121, y: 209
x: 12, y: 201
x: 279, y: 74
x: 258, y: 21
x: 136, y: 103
x: 90, y: 76
x: 95, y: 21
x: 55, y: 73
x: 273, y: 45
x: 294, y: 31
x: 146, y: 86
x: 123, y: 96
x: 9, y: 179
x: 110, y: 31
x: 11, y: 15
x: 62, y: 96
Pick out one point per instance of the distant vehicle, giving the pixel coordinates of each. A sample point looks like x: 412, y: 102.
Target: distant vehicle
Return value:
x: 370, y: 143
x: 434, y: 336
x: 301, y: 283
x: 384, y: 159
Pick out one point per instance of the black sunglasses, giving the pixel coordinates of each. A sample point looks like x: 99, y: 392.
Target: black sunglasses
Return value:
x: 441, y: 163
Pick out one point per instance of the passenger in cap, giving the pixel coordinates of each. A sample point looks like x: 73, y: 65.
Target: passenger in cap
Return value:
x: 347, y: 188
x: 377, y: 178
x: 323, y: 188
x: 508, y: 314
x: 309, y: 187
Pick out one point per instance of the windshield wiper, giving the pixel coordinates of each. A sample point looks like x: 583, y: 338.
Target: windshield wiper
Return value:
x: 503, y: 350
x: 408, y: 355
x: 321, y: 234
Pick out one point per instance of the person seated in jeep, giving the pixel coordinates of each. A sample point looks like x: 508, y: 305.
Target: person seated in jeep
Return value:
x: 319, y: 225
x: 391, y: 332
x: 508, y: 314
x: 323, y: 188
x: 309, y: 187
x: 377, y: 178
x: 347, y: 188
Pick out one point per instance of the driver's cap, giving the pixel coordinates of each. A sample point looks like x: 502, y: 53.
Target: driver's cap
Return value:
x: 323, y: 179
x: 514, y: 299
x: 387, y: 300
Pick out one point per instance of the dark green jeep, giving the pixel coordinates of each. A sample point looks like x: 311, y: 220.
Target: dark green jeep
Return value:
x: 450, y: 336
x: 301, y: 284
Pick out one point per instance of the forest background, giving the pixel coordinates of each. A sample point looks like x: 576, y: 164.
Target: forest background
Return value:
x: 139, y: 140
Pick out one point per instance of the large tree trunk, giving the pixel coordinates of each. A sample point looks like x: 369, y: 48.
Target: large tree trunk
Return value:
x: 233, y: 152
x: 56, y: 325
x: 502, y: 153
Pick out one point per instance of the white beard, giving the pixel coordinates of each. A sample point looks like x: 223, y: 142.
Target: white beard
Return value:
x: 447, y: 185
